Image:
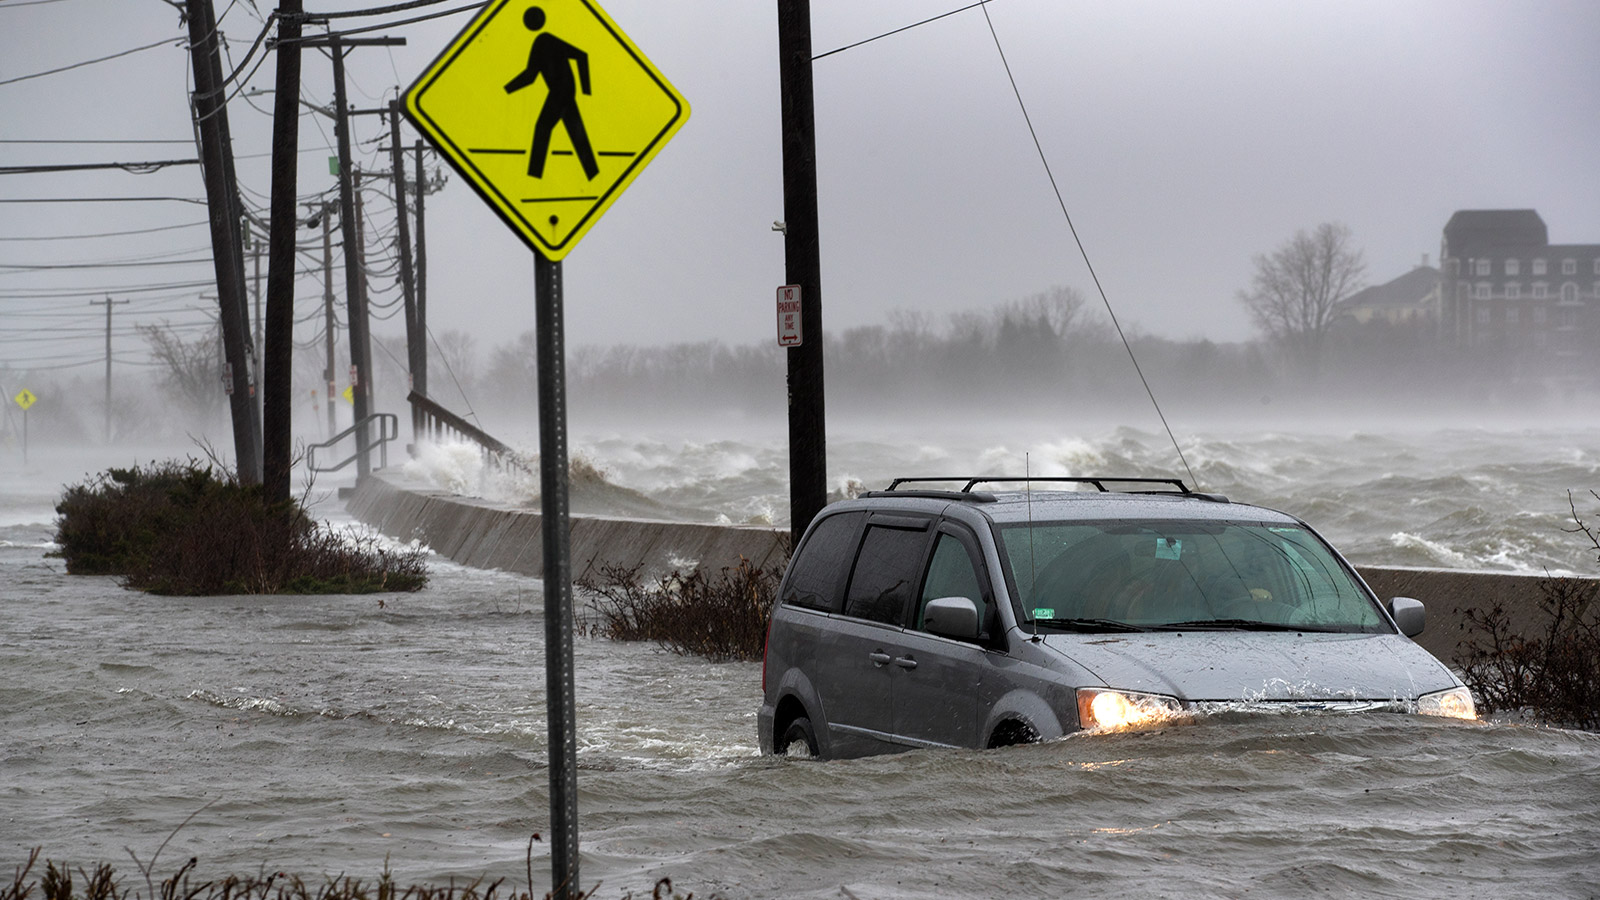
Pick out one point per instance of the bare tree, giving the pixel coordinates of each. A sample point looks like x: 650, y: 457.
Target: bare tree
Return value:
x: 191, y: 370
x: 1294, y: 294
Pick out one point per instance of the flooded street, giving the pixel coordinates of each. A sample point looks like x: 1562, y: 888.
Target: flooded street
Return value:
x: 329, y: 734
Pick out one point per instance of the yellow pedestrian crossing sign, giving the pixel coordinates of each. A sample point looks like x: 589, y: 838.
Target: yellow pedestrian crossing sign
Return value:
x: 549, y: 111
x: 25, y: 399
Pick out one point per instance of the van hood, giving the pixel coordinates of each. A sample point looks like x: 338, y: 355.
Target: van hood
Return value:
x: 1247, y: 666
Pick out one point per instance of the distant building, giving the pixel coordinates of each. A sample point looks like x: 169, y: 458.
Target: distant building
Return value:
x: 1509, y: 294
x: 1413, y: 298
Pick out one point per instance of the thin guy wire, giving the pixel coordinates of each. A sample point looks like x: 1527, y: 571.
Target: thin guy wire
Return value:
x: 1083, y: 252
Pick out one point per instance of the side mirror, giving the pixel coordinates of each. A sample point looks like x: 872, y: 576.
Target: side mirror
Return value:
x: 952, y: 617
x: 1409, y: 615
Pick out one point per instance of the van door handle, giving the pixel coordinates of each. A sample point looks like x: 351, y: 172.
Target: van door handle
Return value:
x: 879, y: 658
x: 906, y: 662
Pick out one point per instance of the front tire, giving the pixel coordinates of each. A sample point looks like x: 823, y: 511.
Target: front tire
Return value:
x: 799, y: 740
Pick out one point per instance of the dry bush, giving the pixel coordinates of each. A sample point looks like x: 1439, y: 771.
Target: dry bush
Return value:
x: 102, y: 883
x: 1554, y: 676
x: 722, y: 617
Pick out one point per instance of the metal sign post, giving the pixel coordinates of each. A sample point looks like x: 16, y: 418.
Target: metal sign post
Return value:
x: 549, y: 112
x: 560, y: 696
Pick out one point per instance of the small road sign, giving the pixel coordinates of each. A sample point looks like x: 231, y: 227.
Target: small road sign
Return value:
x: 549, y: 111
x: 25, y: 399
x: 789, y: 333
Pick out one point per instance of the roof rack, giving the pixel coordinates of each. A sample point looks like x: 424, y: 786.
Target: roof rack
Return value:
x: 1099, y: 482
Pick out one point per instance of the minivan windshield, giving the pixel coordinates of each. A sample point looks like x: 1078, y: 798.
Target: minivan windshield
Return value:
x: 1180, y: 575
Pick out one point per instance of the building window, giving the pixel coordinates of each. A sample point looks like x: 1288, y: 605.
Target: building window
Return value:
x: 1482, y: 267
x: 1569, y: 293
x: 1538, y: 267
x: 1569, y: 267
x: 1538, y: 315
x: 1511, y: 315
x: 1513, y: 291
x: 1540, y: 290
x: 1512, y: 266
x: 1483, y: 315
x: 1482, y: 291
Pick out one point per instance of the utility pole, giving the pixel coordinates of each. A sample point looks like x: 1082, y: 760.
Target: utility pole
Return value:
x: 419, y: 375
x: 277, y: 435
x: 327, y: 313
x: 414, y: 344
x: 808, y: 463
x: 253, y: 243
x: 211, y: 117
x: 108, y: 303
x: 355, y: 296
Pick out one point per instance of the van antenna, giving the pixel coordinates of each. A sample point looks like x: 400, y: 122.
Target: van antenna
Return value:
x: 1033, y: 574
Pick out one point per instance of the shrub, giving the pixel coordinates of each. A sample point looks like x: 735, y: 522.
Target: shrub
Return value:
x: 180, y: 528
x: 57, y: 883
x: 721, y: 618
x: 1556, y: 676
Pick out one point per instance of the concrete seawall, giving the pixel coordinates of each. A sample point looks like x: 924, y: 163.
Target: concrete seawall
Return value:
x: 490, y: 535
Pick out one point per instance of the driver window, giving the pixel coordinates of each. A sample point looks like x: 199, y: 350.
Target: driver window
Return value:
x: 952, y: 574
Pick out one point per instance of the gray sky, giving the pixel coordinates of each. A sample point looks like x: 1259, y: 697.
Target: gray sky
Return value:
x: 1185, y: 137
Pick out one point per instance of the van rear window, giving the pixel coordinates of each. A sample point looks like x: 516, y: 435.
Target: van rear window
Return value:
x: 818, y: 568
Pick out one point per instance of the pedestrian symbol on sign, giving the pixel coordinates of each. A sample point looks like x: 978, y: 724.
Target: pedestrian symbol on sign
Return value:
x: 550, y: 57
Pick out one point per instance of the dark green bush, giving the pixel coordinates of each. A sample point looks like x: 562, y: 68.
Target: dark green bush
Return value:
x: 721, y: 618
x: 181, y: 528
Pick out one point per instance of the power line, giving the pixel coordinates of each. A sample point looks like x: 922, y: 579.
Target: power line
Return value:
x: 103, y: 234
x: 90, y: 141
x: 90, y: 62
x: 1061, y: 201
x: 134, y: 168
x: 900, y: 29
x: 100, y: 200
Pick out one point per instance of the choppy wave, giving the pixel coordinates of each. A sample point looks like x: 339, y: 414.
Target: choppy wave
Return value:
x: 1455, y: 498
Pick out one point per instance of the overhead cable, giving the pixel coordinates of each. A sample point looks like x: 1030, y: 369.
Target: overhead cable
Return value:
x: 90, y: 62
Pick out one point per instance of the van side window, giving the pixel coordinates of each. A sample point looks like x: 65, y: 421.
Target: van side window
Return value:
x: 952, y: 574
x: 886, y: 574
x: 818, y: 569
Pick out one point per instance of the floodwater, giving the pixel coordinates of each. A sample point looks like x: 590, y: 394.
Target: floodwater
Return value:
x: 328, y: 735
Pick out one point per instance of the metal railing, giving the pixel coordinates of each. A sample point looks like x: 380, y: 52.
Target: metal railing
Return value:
x: 435, y: 423
x: 388, y: 430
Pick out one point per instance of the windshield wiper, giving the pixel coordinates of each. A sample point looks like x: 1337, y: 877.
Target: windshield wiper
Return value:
x: 1235, y: 625
x: 1091, y: 626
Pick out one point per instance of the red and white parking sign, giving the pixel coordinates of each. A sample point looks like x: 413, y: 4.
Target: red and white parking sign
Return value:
x: 789, y: 334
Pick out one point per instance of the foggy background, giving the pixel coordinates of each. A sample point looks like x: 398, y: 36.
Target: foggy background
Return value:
x: 1185, y: 138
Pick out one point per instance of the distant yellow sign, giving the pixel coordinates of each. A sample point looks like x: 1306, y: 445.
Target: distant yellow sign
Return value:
x: 25, y: 399
x: 549, y: 111
x: 350, y: 395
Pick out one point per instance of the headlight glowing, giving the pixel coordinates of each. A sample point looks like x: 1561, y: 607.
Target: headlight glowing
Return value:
x: 1108, y: 709
x: 1455, y: 703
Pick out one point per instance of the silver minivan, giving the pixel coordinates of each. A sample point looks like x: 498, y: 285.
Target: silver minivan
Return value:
x: 918, y: 617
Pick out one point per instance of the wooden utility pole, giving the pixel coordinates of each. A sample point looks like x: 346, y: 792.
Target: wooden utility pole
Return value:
x: 414, y: 344
x: 327, y: 313
x: 277, y: 434
x: 108, y: 303
x: 808, y: 458
x: 216, y: 155
x: 419, y: 375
